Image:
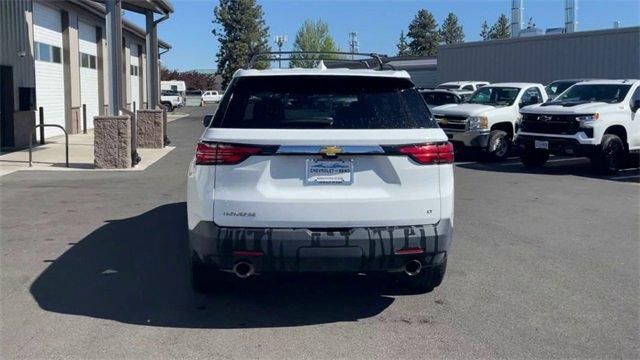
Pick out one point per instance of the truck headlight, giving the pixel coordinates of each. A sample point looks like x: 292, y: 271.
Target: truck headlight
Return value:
x: 478, y: 122
x: 592, y: 117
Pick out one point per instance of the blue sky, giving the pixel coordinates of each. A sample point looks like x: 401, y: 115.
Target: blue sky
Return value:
x: 378, y: 23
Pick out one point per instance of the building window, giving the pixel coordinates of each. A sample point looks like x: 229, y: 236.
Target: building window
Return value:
x: 87, y: 61
x: 48, y: 53
x: 134, y: 70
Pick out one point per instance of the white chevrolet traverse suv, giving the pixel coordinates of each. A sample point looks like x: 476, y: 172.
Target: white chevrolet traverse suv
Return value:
x: 321, y: 170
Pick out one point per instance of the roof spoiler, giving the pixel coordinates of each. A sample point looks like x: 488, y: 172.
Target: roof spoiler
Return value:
x: 326, y: 56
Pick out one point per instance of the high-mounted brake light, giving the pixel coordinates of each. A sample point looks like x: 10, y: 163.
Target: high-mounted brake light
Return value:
x: 223, y: 154
x: 435, y: 153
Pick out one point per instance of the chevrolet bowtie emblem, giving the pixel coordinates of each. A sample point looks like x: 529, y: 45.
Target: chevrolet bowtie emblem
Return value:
x: 331, y: 150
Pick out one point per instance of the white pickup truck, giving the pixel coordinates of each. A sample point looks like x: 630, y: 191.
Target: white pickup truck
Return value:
x: 598, y: 119
x: 487, y: 121
x: 211, y: 96
x: 171, y: 99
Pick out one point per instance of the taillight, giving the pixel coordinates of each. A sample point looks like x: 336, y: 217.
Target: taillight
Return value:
x: 436, y: 153
x: 223, y: 154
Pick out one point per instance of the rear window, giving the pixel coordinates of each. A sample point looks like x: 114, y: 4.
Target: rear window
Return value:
x: 439, y: 98
x: 448, y: 86
x: 323, y: 102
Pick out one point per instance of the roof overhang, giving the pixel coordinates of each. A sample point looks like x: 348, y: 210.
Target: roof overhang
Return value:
x: 163, y: 7
x: 99, y: 10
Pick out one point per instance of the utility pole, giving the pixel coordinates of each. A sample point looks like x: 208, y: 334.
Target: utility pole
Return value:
x: 353, y: 43
x: 280, y: 40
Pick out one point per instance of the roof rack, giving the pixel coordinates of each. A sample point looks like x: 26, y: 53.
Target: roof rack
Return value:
x: 320, y: 55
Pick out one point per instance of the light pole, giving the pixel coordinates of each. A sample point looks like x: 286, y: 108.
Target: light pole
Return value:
x: 280, y: 40
x: 353, y: 42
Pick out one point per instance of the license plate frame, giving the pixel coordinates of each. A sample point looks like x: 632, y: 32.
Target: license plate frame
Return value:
x: 541, y: 144
x: 328, y: 171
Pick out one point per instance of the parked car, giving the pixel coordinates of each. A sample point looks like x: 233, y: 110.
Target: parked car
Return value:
x: 463, y: 85
x: 559, y: 86
x: 598, y: 119
x: 211, y: 96
x: 488, y: 120
x: 322, y: 170
x: 439, y: 97
x: 171, y: 99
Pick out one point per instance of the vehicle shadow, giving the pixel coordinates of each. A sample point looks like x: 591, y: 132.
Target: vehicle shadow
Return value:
x: 558, y: 166
x: 134, y: 270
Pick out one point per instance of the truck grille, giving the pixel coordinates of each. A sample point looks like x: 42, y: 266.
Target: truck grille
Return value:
x: 550, y: 124
x: 452, y: 122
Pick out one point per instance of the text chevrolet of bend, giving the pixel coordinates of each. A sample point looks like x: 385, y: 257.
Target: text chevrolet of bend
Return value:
x: 598, y: 119
x: 487, y: 121
x: 321, y: 170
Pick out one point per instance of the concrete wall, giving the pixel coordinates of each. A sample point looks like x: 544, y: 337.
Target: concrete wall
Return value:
x: 612, y: 53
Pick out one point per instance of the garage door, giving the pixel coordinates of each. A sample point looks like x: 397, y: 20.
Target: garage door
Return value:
x: 47, y: 37
x: 135, y: 76
x: 88, y: 70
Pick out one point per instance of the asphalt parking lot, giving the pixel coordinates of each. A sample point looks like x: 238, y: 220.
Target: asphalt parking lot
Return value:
x: 544, y: 264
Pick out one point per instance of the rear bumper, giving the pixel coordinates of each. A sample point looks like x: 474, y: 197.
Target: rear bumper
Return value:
x: 301, y: 250
x: 557, y: 145
x: 469, y: 138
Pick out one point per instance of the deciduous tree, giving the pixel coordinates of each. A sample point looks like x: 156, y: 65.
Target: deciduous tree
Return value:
x: 312, y: 36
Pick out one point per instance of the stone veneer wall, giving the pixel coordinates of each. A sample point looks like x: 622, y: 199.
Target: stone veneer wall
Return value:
x: 150, y: 129
x: 112, y: 142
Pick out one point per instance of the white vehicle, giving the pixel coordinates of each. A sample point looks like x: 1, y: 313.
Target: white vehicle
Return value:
x: 598, y: 119
x: 171, y: 99
x: 310, y: 170
x: 439, y: 97
x: 487, y: 121
x: 174, y: 85
x: 211, y: 96
x: 463, y: 85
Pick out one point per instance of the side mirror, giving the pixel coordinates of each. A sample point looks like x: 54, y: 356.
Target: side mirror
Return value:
x: 635, y: 105
x: 206, y: 121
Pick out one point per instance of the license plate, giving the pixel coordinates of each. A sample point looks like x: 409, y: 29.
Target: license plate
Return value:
x: 538, y: 144
x: 336, y: 172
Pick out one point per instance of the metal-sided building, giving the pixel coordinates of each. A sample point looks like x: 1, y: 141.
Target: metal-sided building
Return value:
x: 54, y: 55
x: 606, y: 54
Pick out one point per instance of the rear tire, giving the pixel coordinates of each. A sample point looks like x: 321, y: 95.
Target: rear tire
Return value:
x: 427, y: 279
x: 498, y: 147
x: 168, y: 105
x: 534, y: 157
x: 610, y: 156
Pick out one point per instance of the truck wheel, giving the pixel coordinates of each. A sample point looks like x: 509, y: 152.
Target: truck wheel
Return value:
x: 610, y: 156
x: 168, y: 105
x: 498, y: 147
x: 426, y: 280
x: 534, y: 157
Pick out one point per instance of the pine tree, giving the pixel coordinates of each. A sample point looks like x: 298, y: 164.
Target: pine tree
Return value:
x: 312, y: 36
x: 424, y: 35
x: 500, y: 30
x: 241, y: 31
x: 484, y: 31
x: 451, y: 31
x: 403, y: 47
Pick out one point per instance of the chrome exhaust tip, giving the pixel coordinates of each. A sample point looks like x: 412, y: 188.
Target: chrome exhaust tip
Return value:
x: 413, y: 267
x: 243, y: 269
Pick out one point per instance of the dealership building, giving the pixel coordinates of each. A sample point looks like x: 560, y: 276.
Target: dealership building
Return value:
x: 55, y: 56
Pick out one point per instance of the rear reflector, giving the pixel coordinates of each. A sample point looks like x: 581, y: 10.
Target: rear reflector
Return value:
x: 435, y: 153
x: 223, y: 154
x: 247, y: 253
x: 409, y: 251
